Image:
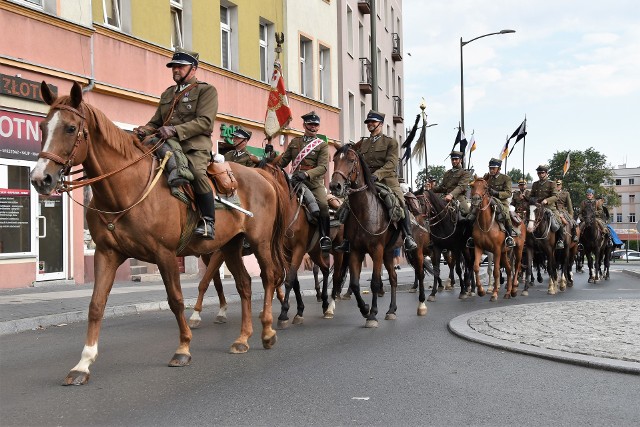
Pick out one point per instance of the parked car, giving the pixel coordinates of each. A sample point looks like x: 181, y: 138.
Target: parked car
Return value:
x: 625, y: 255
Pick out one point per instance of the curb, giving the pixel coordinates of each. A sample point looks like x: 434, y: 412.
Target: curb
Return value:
x: 460, y: 327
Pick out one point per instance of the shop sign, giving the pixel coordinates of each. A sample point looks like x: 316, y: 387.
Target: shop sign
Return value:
x: 20, y: 136
x: 23, y: 88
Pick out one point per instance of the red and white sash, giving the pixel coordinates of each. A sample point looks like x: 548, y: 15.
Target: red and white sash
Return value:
x: 304, y: 152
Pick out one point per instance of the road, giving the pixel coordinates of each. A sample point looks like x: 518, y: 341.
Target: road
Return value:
x: 411, y: 371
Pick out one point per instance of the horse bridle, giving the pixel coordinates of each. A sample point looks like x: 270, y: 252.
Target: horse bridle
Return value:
x: 83, y: 136
x: 347, y: 177
x: 537, y: 222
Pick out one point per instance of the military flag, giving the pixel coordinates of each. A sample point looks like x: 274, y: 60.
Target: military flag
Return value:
x: 278, y: 113
x: 505, y: 150
x: 519, y: 134
x: 567, y: 163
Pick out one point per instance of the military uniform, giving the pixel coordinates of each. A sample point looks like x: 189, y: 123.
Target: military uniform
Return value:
x: 455, y: 182
x: 241, y: 156
x: 545, y: 189
x: 597, y: 208
x: 380, y: 153
x: 520, y: 202
x: 563, y: 203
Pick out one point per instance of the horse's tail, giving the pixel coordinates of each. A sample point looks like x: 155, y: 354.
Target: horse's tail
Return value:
x: 279, y: 226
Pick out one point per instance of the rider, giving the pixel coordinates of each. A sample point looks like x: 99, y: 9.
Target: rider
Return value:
x: 544, y: 191
x: 309, y: 157
x: 565, y: 207
x: 499, y: 186
x: 186, y: 114
x: 239, y: 154
x: 380, y: 153
x: 597, y: 207
x: 455, y: 183
x: 520, y: 197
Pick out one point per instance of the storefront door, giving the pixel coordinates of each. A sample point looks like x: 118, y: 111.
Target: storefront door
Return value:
x: 51, y: 231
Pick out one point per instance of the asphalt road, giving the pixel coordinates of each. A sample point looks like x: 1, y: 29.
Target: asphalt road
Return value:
x: 411, y: 371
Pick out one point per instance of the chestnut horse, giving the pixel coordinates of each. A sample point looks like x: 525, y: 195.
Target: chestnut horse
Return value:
x: 130, y: 216
x: 369, y: 230
x: 487, y: 235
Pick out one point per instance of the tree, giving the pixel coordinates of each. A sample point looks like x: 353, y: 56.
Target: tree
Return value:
x: 588, y: 169
x: 436, y: 171
x: 516, y: 175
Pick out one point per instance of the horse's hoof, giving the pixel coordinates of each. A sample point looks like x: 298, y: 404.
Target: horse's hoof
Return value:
x: 318, y: 299
x: 413, y: 290
x: 514, y: 294
x: 507, y: 296
x: 463, y: 296
x: 431, y: 298
x: 283, y: 324
x: 448, y: 288
x: 76, y: 378
x: 390, y: 316
x: 570, y: 284
x: 422, y: 309
x: 179, y: 360
x: 220, y: 319
x: 551, y: 292
x: 239, y: 348
x: 525, y: 293
x: 345, y: 297
x: 493, y: 298
x: 328, y: 315
x: 481, y: 292
x: 562, y: 288
x: 194, y: 324
x: 268, y: 343
x: 371, y: 324
x: 298, y: 320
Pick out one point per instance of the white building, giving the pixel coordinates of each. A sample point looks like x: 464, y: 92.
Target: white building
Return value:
x: 624, y: 218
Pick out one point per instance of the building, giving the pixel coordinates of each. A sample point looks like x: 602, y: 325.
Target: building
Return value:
x: 624, y: 218
x: 118, y: 49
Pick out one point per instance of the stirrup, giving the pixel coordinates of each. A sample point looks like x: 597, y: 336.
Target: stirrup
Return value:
x: 410, y: 244
x: 325, y: 244
x: 509, y: 242
x: 343, y: 247
x: 559, y: 244
x: 205, y: 229
x: 575, y: 238
x: 470, y: 243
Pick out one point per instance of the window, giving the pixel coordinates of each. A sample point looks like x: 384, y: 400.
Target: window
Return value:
x: 352, y: 118
x: 324, y: 68
x: 33, y: 2
x: 176, y: 22
x: 632, y: 217
x: 111, y: 9
x: 631, y: 181
x: 225, y: 37
x: 386, y: 76
x: 618, y: 182
x: 15, y: 209
x: 361, y: 51
x: 264, y: 49
x: 349, y: 31
x: 619, y: 217
x: 632, y: 198
x: 306, y: 67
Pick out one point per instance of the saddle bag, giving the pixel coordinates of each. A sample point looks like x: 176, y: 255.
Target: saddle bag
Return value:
x: 412, y: 203
x: 222, y: 177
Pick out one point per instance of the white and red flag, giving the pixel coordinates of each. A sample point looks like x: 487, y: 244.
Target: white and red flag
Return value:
x: 278, y: 111
x: 567, y: 163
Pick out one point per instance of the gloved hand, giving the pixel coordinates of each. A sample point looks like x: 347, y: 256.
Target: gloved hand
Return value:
x: 298, y: 176
x: 374, y: 178
x: 166, y: 132
x: 493, y: 192
x: 268, y: 148
x: 140, y: 132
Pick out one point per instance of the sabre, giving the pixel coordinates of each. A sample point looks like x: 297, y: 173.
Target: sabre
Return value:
x: 234, y: 206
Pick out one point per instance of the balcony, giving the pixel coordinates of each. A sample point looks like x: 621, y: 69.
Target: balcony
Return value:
x: 366, y: 80
x: 397, y: 110
x: 396, y: 51
x: 364, y: 6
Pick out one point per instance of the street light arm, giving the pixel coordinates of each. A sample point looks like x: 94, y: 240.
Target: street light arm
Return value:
x: 486, y: 35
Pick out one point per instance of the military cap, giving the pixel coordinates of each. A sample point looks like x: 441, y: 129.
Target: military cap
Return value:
x: 183, y: 57
x: 400, y: 179
x: 495, y: 163
x: 542, y: 168
x: 522, y: 181
x: 242, y: 133
x: 558, y: 182
x: 374, y: 116
x: 590, y: 191
x: 456, y: 154
x: 311, y: 118
x: 431, y: 179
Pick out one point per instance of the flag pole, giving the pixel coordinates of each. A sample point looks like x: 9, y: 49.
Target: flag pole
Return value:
x: 423, y: 106
x: 471, y: 150
x: 506, y: 159
x: 524, y: 145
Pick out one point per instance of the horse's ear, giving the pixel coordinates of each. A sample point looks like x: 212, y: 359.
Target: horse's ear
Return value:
x: 76, y: 95
x: 47, y: 96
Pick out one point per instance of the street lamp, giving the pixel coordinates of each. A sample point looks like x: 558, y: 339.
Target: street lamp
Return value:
x: 423, y: 106
x: 462, y: 43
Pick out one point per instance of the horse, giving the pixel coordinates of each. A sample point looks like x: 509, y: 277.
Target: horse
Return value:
x: 133, y: 214
x: 487, y: 235
x: 369, y: 229
x: 541, y: 238
x: 565, y: 259
x: 596, y: 244
x: 448, y: 231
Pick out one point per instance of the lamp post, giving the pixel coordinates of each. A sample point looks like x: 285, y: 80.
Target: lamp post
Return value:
x: 423, y: 106
x: 462, y: 43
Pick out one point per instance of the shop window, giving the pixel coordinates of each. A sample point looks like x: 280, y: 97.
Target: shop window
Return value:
x: 15, y: 210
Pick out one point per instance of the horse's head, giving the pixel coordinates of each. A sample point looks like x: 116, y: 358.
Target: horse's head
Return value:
x: 349, y: 171
x: 536, y: 215
x: 64, y: 139
x: 479, y: 190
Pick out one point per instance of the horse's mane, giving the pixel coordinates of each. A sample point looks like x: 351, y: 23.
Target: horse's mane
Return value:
x: 112, y: 135
x: 366, y: 172
x: 435, y: 200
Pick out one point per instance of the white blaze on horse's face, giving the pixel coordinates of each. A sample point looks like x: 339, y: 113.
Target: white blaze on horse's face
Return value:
x: 341, y: 156
x: 51, y: 126
x: 532, y: 218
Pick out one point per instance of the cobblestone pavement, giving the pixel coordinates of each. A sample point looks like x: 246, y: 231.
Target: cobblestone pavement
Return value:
x: 604, y: 333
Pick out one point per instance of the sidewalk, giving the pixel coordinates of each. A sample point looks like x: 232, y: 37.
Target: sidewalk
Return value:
x: 603, y: 334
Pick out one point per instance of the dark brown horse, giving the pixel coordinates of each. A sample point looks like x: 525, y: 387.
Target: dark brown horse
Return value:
x: 541, y: 238
x: 129, y: 216
x: 596, y: 243
x: 488, y: 236
x: 369, y: 230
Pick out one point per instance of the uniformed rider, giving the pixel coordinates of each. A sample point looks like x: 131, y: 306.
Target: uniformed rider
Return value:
x: 455, y: 182
x: 565, y: 207
x: 309, y: 158
x: 544, y: 191
x: 520, y: 198
x: 186, y: 114
x: 239, y: 154
x: 499, y: 187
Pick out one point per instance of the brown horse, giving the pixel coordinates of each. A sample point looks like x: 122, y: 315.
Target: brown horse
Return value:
x: 596, y: 243
x: 129, y: 216
x: 369, y: 230
x: 487, y: 235
x: 541, y: 237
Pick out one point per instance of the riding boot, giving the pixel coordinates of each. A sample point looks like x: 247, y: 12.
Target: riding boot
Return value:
x: 509, y: 240
x: 409, y: 243
x: 206, y: 205
x: 343, y: 247
x: 574, y: 235
x: 325, y: 236
x: 470, y: 243
x: 560, y: 237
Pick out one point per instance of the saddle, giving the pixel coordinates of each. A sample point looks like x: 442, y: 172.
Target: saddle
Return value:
x: 413, y: 204
x: 390, y: 201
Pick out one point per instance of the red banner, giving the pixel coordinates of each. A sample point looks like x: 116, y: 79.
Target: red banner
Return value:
x: 20, y: 136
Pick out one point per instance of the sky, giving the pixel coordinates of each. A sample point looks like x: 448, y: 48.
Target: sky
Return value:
x: 572, y: 68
